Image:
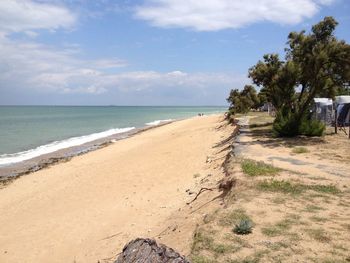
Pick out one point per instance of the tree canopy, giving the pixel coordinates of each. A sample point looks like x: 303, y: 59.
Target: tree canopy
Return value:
x: 315, y: 64
x: 243, y: 101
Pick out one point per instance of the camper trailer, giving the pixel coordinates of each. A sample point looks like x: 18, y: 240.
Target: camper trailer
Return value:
x: 323, y: 110
x: 342, y: 104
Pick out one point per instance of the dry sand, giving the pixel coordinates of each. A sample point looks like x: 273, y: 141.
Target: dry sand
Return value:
x: 85, y: 210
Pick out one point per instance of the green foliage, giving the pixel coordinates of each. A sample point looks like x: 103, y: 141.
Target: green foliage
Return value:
x: 317, y: 62
x: 312, y: 128
x: 288, y: 124
x: 243, y: 101
x: 244, y: 227
x: 253, y: 168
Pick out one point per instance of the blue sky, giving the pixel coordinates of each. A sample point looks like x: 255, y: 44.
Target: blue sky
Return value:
x: 144, y: 52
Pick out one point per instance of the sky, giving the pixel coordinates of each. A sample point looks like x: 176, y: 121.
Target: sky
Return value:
x: 144, y: 52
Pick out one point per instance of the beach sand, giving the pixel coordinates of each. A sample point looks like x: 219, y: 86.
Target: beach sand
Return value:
x: 86, y: 209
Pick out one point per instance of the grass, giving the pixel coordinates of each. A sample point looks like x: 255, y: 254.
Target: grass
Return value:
x: 313, y: 208
x: 318, y: 234
x: 318, y: 219
x: 204, y: 241
x: 288, y: 187
x: 255, y: 258
x: 201, y: 241
x: 253, y: 168
x: 285, y: 187
x: 280, y: 228
x: 233, y: 217
x: 299, y: 150
x: 201, y: 259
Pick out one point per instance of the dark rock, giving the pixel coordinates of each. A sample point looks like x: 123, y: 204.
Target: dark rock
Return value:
x: 147, y: 250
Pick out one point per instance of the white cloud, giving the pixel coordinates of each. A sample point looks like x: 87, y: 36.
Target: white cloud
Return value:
x: 33, y: 67
x: 26, y: 15
x: 28, y: 67
x: 212, y: 15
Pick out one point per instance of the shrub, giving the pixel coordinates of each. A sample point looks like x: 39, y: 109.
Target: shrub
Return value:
x: 286, y: 124
x: 312, y: 128
x: 244, y: 227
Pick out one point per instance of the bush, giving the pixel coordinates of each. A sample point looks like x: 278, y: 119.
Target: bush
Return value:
x: 244, y: 227
x: 287, y: 125
x: 312, y: 128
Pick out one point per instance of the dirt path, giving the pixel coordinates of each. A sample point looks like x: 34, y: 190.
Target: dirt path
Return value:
x: 272, y: 152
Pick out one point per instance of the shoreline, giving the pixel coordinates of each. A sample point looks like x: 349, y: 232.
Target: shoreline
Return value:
x: 11, y: 172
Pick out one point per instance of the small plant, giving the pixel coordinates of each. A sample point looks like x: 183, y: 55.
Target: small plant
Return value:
x: 244, y: 227
x: 299, y: 150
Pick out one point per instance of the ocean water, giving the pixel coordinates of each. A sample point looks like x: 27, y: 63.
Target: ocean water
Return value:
x: 30, y: 131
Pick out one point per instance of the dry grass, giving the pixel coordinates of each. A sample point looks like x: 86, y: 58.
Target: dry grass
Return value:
x: 297, y: 217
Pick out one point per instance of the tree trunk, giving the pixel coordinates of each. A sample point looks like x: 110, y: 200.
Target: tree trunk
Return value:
x: 147, y: 250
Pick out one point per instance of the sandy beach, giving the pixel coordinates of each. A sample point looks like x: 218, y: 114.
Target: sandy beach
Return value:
x: 86, y: 209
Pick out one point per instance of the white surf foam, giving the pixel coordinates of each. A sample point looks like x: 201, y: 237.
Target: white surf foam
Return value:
x: 157, y: 122
x: 6, y: 159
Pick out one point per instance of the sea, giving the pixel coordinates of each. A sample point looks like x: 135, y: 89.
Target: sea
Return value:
x: 28, y: 132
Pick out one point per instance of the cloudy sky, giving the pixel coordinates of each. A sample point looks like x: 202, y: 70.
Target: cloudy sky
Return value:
x: 144, y: 52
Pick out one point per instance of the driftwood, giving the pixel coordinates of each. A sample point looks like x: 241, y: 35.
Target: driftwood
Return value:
x: 203, y: 189
x: 147, y: 250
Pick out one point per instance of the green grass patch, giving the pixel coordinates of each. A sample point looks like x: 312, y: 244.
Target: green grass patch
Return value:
x: 299, y: 150
x: 253, y: 168
x: 295, y: 188
x: 285, y: 187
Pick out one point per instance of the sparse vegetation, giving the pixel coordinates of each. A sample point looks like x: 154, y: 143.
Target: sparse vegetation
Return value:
x: 313, y: 208
x: 318, y: 234
x: 318, y: 219
x: 280, y: 228
x: 253, y: 168
x: 300, y: 150
x: 288, y: 187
